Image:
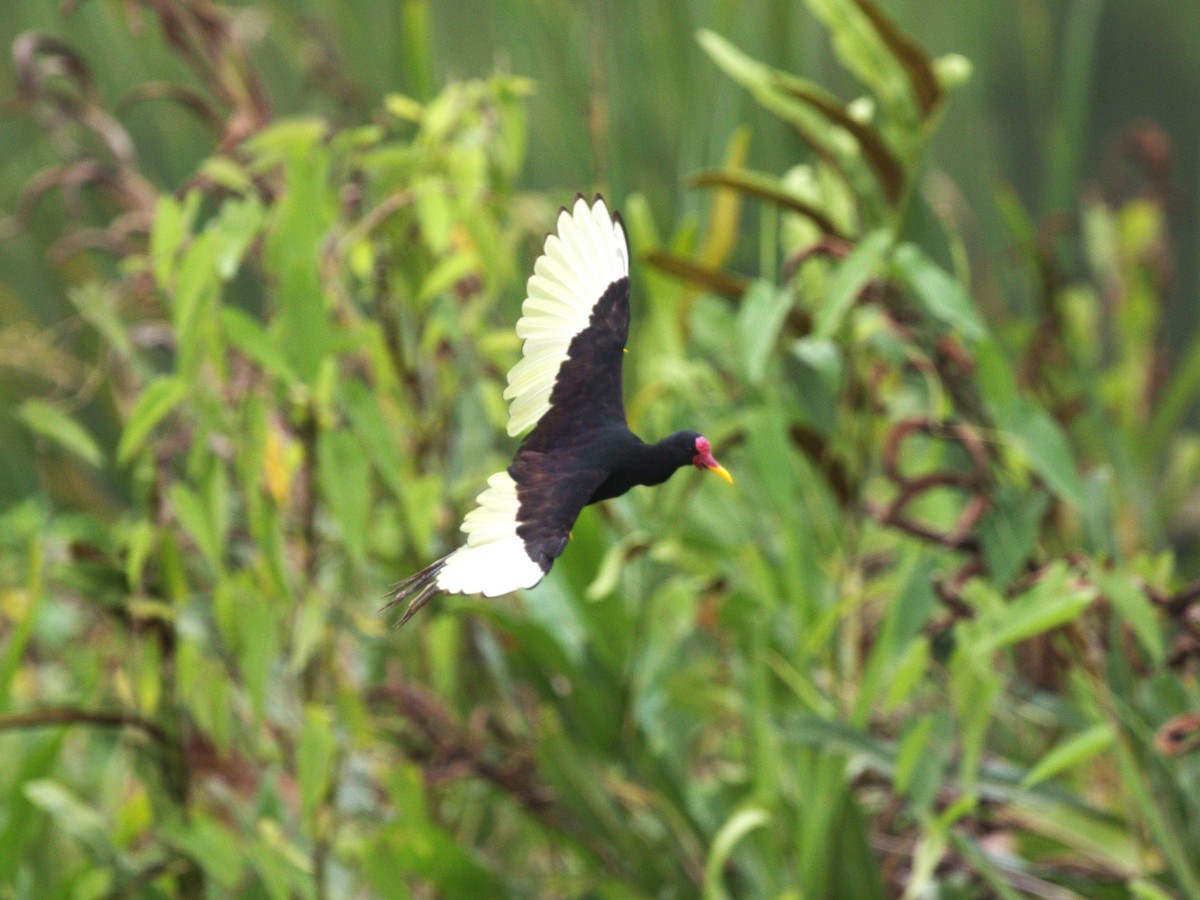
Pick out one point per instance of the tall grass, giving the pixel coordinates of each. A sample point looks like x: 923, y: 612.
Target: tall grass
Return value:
x: 939, y: 638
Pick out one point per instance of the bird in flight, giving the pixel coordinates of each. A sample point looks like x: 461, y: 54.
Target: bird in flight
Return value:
x: 567, y: 386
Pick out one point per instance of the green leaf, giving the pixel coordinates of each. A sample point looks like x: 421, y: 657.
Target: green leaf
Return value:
x: 434, y: 855
x: 1009, y: 531
x: 97, y: 303
x: 909, y: 669
x: 195, y: 519
x: 447, y: 273
x: 887, y: 168
x: 293, y: 247
x: 937, y: 290
x: 1071, y: 753
x: 1144, y: 889
x: 1044, y: 445
x: 247, y: 335
x: 824, y: 359
x: 912, y: 751
x: 1057, y: 598
x: 214, y: 847
x: 20, y: 630
x: 737, y: 827
x: 761, y: 315
x: 304, y: 320
x: 52, y: 423
x: 40, y: 758
x: 194, y: 303
x: 1134, y: 607
x: 206, y: 690
x: 870, y: 47
x: 236, y: 226
x: 134, y: 817
x: 315, y: 756
x: 166, y: 236
x: 73, y: 816
x: 284, y: 866
x: 1028, y: 428
x: 850, y: 277
x: 408, y: 793
x: 613, y: 563
x: 434, y: 213
x: 830, y: 142
x: 996, y: 380
x: 899, y: 656
x: 345, y: 476
x: 257, y: 644
x: 153, y: 405
x: 286, y: 140
x: 309, y: 628
x: 975, y: 688
x: 227, y: 172
x: 1174, y: 403
x: 172, y: 223
x: 372, y: 429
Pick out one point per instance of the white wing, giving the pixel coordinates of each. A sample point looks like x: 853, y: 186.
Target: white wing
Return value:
x: 494, y: 560
x: 578, y: 263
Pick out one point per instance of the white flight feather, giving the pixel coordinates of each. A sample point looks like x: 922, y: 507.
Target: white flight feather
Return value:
x: 494, y: 560
x: 576, y: 267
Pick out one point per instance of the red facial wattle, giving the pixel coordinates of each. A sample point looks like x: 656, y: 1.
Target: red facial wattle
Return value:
x: 705, y: 460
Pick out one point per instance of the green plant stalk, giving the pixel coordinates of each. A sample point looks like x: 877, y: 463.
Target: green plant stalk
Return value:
x: 1133, y: 779
x: 1178, y: 857
x: 1066, y: 145
x: 1172, y: 406
x: 18, y: 640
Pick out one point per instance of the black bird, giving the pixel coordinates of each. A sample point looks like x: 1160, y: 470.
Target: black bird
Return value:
x: 567, y: 384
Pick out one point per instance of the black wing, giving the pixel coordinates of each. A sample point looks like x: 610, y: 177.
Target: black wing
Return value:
x: 587, y: 393
x: 520, y: 526
x: 553, y: 488
x: 574, y: 321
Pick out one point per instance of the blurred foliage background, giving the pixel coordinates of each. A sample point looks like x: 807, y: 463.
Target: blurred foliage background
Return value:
x: 924, y: 272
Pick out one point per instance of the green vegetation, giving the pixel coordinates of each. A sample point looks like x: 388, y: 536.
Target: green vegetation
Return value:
x: 940, y: 639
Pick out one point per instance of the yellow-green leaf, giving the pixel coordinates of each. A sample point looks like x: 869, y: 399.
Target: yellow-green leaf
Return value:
x: 52, y: 423
x: 1070, y: 754
x: 151, y: 407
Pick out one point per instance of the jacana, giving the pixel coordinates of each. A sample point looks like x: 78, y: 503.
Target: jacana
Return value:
x: 567, y: 386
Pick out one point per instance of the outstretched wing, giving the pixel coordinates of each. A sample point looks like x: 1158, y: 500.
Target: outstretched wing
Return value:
x: 574, y: 324
x: 521, y: 525
x: 574, y: 321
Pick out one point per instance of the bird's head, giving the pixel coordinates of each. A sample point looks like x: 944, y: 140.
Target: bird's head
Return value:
x: 696, y: 449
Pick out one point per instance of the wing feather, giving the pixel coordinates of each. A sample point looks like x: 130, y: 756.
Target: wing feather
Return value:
x: 511, y: 542
x: 578, y: 264
x: 493, y: 561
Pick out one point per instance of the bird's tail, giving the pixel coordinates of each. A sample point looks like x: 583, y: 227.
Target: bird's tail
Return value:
x: 417, y: 589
